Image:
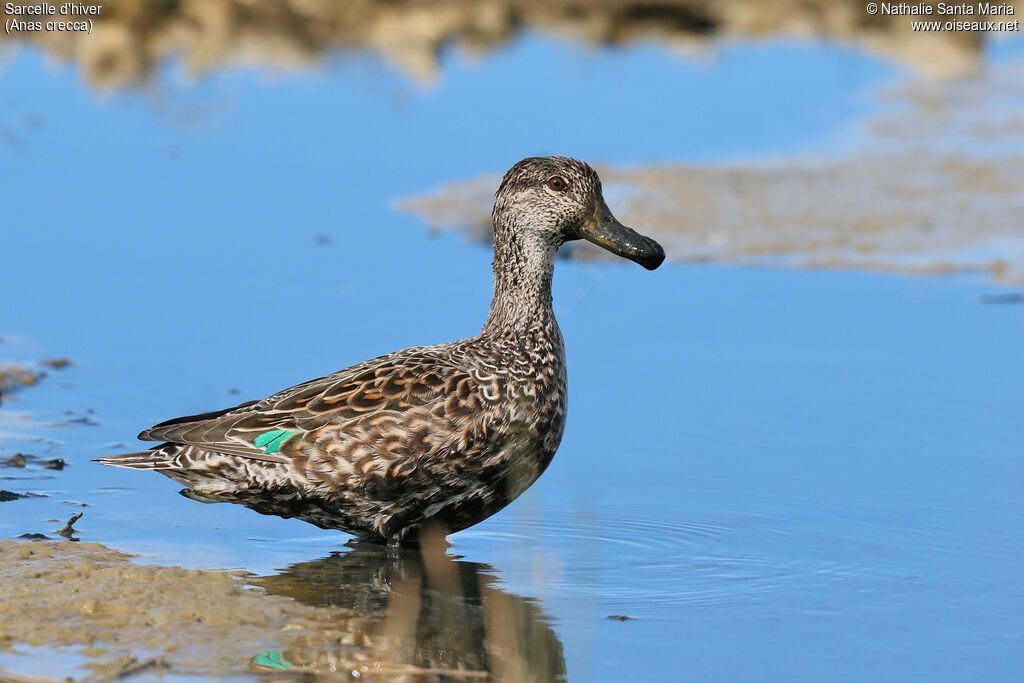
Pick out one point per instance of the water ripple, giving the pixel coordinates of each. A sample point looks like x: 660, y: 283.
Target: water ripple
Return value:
x: 803, y: 560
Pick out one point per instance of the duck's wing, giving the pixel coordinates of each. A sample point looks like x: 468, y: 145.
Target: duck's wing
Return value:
x: 270, y: 429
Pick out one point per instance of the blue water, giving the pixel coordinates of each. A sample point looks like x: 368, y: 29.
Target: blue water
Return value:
x: 776, y: 474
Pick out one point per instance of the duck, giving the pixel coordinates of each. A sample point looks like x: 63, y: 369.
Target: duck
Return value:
x: 445, y: 434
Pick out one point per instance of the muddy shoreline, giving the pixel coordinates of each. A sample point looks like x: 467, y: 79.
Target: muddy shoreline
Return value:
x: 131, y: 40
x: 931, y: 185
x: 418, y: 613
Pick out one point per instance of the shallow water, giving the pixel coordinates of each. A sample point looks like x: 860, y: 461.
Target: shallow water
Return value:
x: 773, y: 474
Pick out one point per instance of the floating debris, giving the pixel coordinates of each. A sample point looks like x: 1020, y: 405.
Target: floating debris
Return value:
x: 125, y: 666
x: 16, y: 460
x: 620, y: 617
x: 56, y: 363
x: 68, y: 530
x: 23, y: 460
x: 15, y: 377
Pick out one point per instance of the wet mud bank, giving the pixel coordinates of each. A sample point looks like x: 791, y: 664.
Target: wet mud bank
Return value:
x: 930, y: 185
x: 96, y: 614
x: 132, y: 39
x: 99, y: 602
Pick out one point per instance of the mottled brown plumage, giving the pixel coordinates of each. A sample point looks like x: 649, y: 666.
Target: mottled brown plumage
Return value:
x: 452, y: 432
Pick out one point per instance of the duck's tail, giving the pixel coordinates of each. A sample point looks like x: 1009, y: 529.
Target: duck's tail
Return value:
x: 143, y: 460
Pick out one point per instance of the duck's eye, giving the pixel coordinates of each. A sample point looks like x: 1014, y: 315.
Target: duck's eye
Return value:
x: 557, y: 183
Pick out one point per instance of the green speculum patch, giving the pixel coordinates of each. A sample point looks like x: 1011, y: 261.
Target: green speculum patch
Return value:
x: 271, y: 441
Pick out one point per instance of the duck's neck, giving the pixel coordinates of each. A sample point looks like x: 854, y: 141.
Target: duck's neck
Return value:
x: 523, y: 266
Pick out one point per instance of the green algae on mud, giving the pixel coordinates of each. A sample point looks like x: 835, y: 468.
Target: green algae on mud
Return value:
x: 370, y: 611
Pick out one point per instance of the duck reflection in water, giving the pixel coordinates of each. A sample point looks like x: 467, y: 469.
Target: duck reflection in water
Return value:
x: 415, y: 612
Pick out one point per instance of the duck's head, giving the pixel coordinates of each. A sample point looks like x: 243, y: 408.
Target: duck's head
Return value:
x: 557, y: 199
